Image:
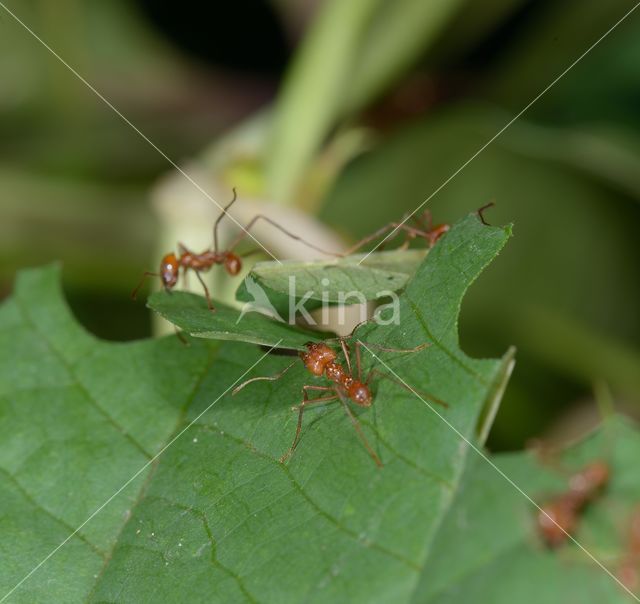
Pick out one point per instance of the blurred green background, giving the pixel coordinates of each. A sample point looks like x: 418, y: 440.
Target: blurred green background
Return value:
x: 371, y: 105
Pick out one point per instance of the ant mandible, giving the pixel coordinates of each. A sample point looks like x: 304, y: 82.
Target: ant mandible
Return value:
x: 186, y: 260
x: 321, y: 361
x: 559, y: 518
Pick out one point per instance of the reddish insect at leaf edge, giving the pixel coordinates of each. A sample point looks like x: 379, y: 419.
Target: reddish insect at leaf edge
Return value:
x: 347, y: 386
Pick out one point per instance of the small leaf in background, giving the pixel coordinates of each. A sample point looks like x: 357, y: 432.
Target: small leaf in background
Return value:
x: 489, y: 544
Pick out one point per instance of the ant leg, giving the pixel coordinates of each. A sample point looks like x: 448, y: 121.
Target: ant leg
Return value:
x: 358, y: 428
x: 269, y: 378
x: 301, y: 407
x: 134, y: 293
x: 480, y: 212
x: 273, y: 223
x: 346, y: 352
x: 181, y: 337
x: 423, y: 221
x: 206, y: 291
x: 392, y: 226
x: 219, y: 218
x: 358, y: 360
x: 419, y: 393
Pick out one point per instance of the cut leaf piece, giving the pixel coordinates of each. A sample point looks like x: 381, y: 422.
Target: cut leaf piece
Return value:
x: 332, y: 280
x: 191, y: 314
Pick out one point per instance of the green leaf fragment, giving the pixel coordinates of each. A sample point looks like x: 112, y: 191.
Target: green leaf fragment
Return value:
x: 190, y: 313
x: 371, y: 276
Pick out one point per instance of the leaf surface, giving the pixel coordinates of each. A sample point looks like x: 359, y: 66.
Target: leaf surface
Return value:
x: 489, y: 544
x: 216, y: 517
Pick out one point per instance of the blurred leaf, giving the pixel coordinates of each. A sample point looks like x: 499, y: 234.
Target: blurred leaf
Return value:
x: 488, y: 545
x: 547, y: 42
x: 310, y: 97
x: 473, y: 24
x: 575, y: 252
x: 578, y: 350
x: 219, y: 518
x: 399, y: 32
x: 351, y: 53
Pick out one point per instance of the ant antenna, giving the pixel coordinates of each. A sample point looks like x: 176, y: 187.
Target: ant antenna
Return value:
x: 268, y: 378
x: 220, y: 217
x: 480, y: 212
x: 134, y: 293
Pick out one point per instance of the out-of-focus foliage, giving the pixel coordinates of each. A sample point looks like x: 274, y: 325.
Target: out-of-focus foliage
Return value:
x: 428, y: 83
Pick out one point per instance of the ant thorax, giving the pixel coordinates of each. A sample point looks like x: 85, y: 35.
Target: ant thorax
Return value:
x: 337, y: 374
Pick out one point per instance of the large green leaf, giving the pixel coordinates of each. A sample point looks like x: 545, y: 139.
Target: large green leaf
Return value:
x: 220, y: 519
x: 79, y: 417
x: 489, y: 545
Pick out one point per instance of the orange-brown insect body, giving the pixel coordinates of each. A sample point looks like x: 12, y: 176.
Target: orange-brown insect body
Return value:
x: 559, y: 518
x: 436, y: 232
x: 320, y: 360
x: 629, y: 568
x: 171, y: 264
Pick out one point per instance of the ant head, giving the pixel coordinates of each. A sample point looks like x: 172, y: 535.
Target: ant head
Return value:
x: 232, y: 263
x: 169, y: 269
x: 360, y: 394
x: 436, y: 232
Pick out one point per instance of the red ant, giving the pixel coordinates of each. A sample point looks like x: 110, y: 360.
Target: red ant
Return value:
x: 629, y: 569
x: 321, y: 360
x: 171, y: 264
x: 559, y: 518
x: 423, y: 228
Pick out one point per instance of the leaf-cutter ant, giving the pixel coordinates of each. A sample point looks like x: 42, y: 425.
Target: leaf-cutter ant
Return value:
x: 560, y: 517
x: 186, y: 260
x: 347, y: 387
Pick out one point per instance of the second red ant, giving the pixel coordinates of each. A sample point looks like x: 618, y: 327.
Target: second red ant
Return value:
x: 558, y: 519
x: 322, y: 361
x: 422, y: 228
x: 629, y: 568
